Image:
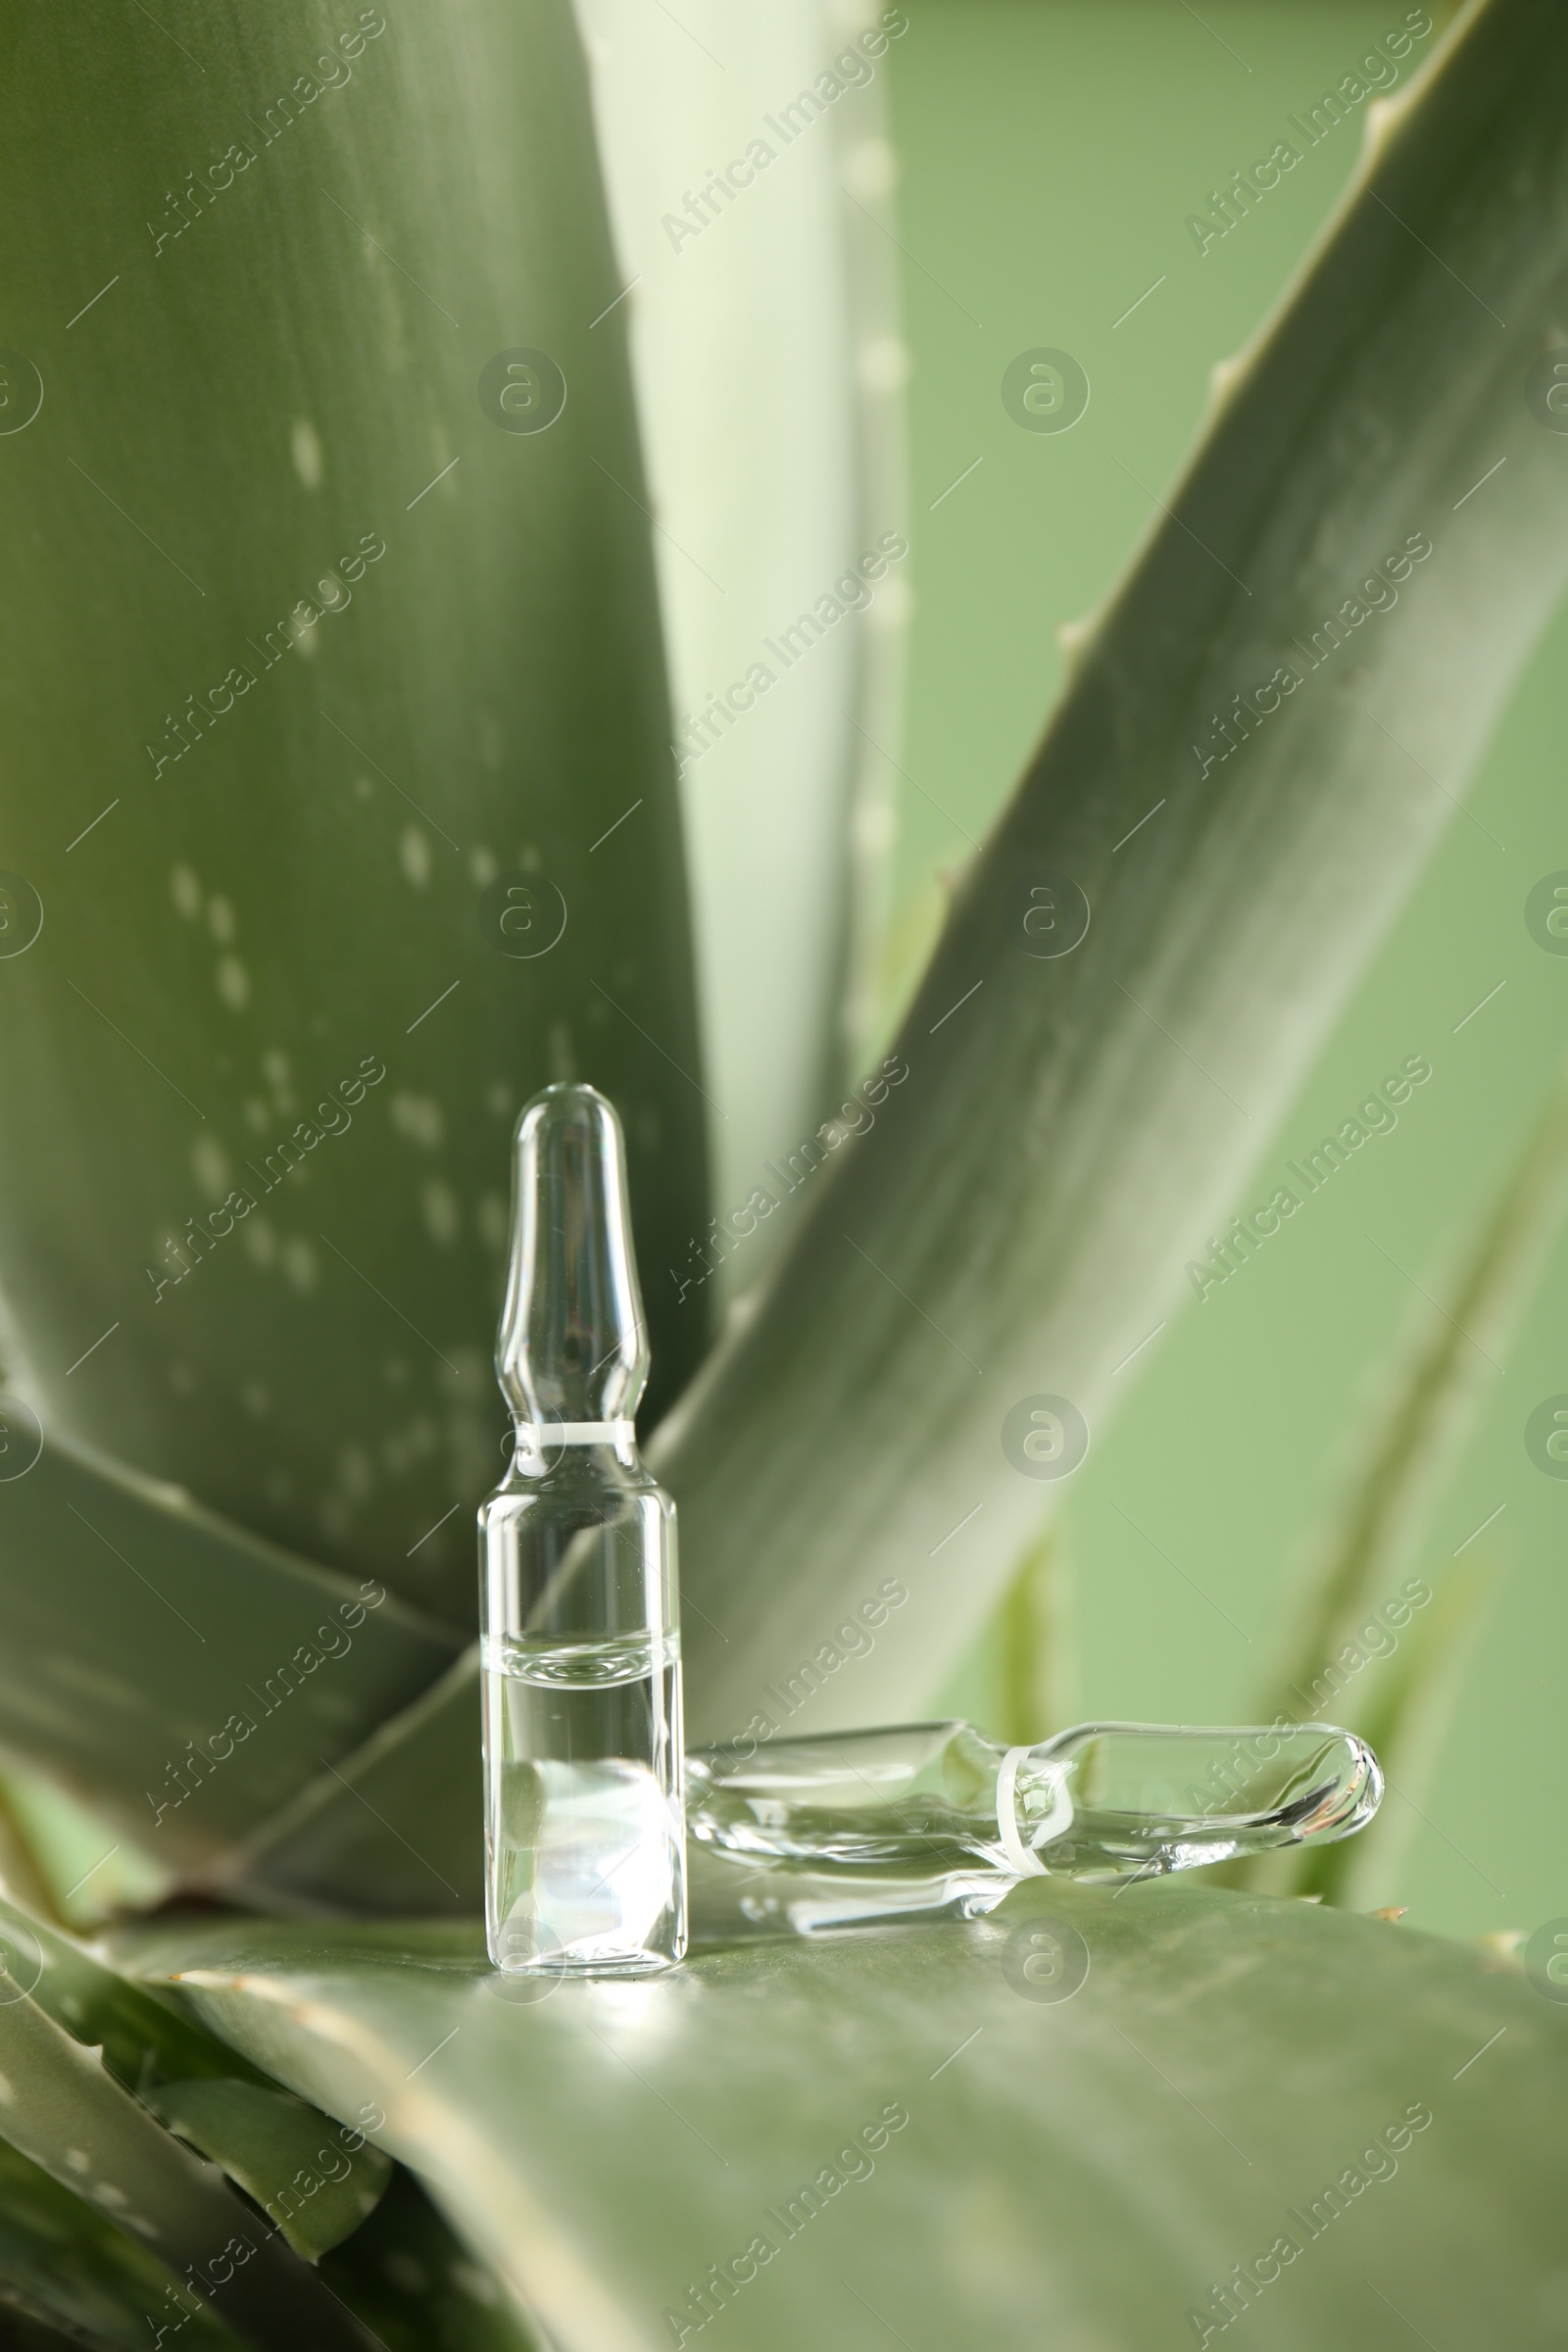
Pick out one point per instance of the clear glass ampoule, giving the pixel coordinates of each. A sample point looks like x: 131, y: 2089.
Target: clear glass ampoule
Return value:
x: 579, y: 1626
x: 934, y: 1819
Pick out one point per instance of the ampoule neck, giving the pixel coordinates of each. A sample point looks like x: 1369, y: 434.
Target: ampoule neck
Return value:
x: 572, y: 1352
x: 571, y: 1456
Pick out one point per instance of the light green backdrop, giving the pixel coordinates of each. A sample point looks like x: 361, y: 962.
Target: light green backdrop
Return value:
x: 1052, y: 152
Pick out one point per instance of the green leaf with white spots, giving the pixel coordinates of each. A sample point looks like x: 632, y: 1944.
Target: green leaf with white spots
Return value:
x: 408, y: 2273
x: 180, y: 1673
x: 271, y: 1039
x: 1227, y: 2056
x: 879, y: 2134
x: 61, y: 2108
x: 62, y: 2263
x: 409, y: 2276
x: 142, y: 2036
x: 395, y: 1827
x: 315, y: 2179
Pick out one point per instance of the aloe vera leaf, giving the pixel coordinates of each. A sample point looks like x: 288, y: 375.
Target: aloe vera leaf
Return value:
x: 295, y: 903
x: 28, y: 2330
x: 318, y: 2180
x: 794, y: 309
x: 63, y: 2264
x: 66, y: 2113
x: 411, y: 2277
x: 1422, y: 1413
x: 410, y: 2272
x: 142, y: 2035
x: 311, y: 2178
x: 89, y: 1877
x: 139, y: 1627
x: 1018, y: 1218
x: 395, y: 1827
x: 1226, y: 2056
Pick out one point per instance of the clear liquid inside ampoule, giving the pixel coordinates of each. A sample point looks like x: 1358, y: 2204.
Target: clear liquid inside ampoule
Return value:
x: 581, y: 1672
x: 587, y: 1855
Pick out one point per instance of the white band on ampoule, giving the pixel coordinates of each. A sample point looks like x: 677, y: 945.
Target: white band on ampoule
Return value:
x: 1023, y: 1858
x: 538, y: 1436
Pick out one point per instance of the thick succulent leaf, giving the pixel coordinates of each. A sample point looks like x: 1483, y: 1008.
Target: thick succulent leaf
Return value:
x: 412, y: 2278
x: 409, y: 2274
x: 1226, y: 2058
x: 63, y: 2110
x: 791, y: 301
x: 139, y: 1629
x: 317, y: 2182
x: 26, y: 2331
x: 393, y: 1827
x: 315, y: 2179
x: 59, y: 2257
x: 1016, y: 1220
x: 277, y: 926
x: 142, y: 2035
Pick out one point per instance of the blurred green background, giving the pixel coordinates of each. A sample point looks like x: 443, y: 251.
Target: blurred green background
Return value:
x: 1050, y: 154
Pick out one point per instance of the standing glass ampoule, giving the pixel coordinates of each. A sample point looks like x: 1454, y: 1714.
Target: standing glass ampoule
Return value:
x: 579, y: 1626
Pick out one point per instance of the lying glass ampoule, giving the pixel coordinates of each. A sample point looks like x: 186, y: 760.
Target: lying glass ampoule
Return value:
x: 579, y: 1629
x: 935, y: 1820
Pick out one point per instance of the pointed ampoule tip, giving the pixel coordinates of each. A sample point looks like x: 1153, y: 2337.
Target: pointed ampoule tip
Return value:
x: 571, y: 1347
